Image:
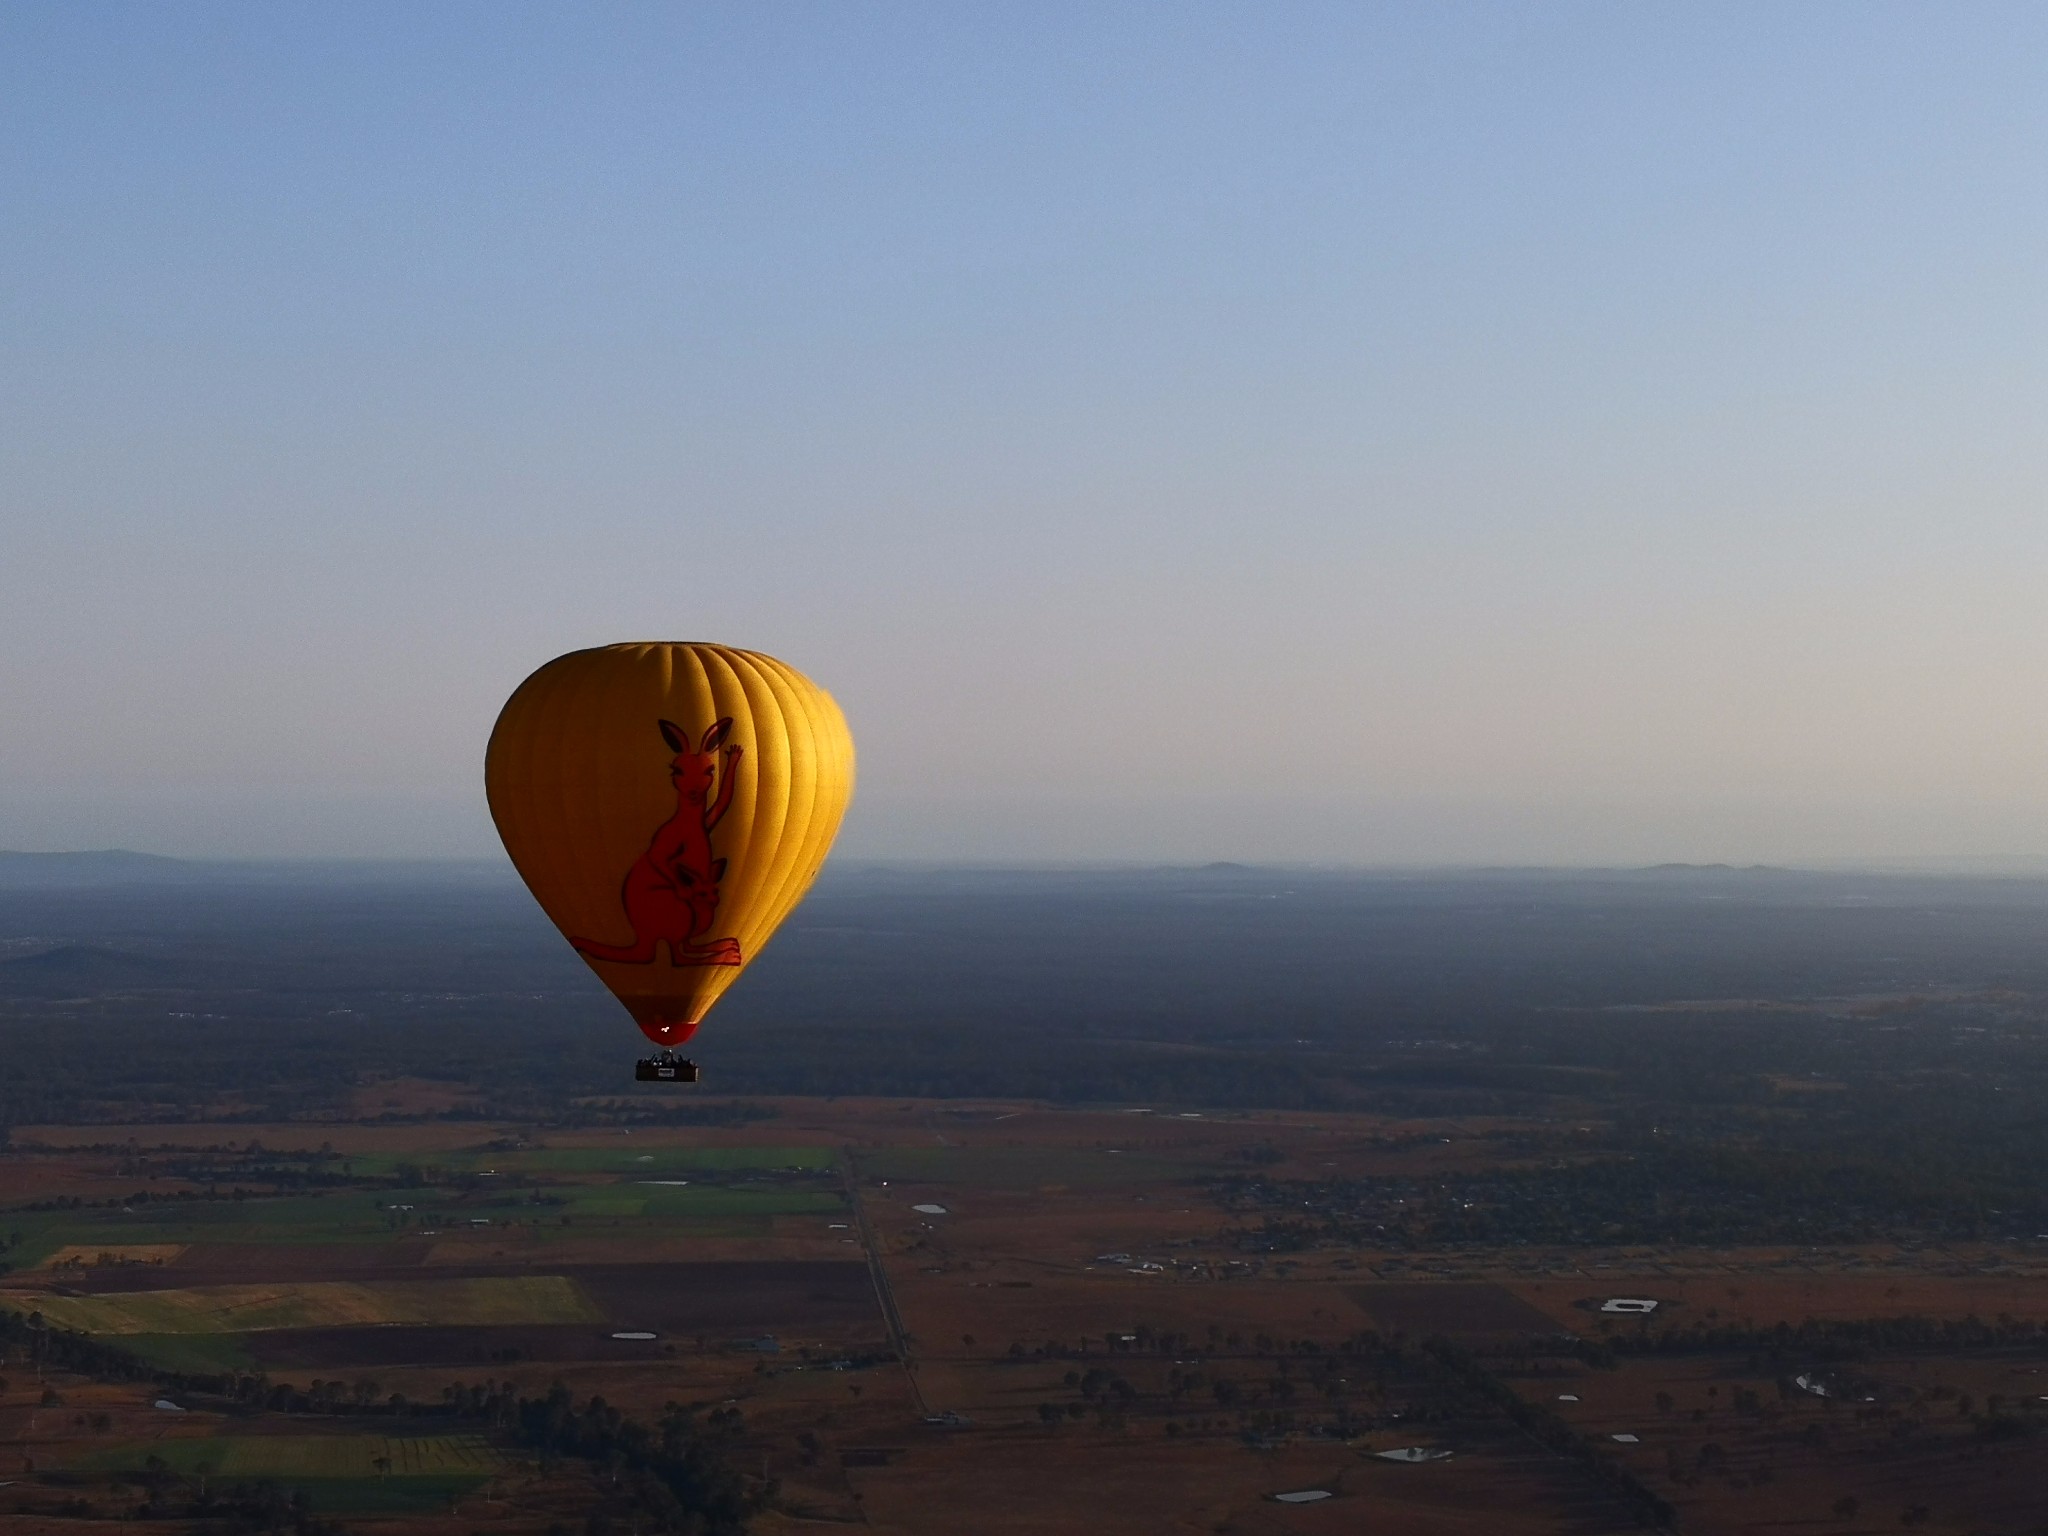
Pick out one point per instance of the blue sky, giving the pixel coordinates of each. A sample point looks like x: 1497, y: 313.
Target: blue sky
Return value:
x: 1397, y: 433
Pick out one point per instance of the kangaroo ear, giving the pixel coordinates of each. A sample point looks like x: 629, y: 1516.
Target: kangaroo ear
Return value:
x: 673, y: 735
x: 714, y: 737
x: 717, y: 870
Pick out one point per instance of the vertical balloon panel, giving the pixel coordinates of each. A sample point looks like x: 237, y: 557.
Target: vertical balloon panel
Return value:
x: 668, y: 805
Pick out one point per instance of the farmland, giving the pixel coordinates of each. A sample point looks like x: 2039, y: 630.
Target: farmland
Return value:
x: 311, y: 1456
x: 324, y: 1304
x: 905, y: 1317
x: 370, y: 1230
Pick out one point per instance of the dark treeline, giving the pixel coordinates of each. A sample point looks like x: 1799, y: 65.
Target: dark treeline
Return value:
x: 668, y: 1477
x: 672, y: 1476
x: 1825, y: 1340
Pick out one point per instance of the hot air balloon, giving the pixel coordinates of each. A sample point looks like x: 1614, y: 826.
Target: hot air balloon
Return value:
x: 668, y: 805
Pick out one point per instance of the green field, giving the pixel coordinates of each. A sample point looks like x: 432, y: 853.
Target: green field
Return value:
x: 1020, y: 1167
x: 197, y: 1354
x: 345, y: 1217
x: 337, y: 1473
x: 657, y: 1161
x: 638, y: 1199
x: 626, y: 1158
x: 248, y: 1458
x: 211, y: 1309
x: 360, y: 1217
x: 743, y: 1202
x: 385, y: 1495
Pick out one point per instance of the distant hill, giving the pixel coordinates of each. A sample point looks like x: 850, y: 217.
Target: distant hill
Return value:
x: 66, y: 969
x: 119, y: 866
x: 108, y: 866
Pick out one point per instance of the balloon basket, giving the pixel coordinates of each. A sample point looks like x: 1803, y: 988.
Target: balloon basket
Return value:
x: 666, y: 1067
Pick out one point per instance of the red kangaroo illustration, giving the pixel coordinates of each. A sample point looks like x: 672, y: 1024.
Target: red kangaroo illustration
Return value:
x: 671, y: 892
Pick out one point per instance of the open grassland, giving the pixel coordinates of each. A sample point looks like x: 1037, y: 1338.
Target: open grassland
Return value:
x: 348, y: 1216
x: 679, y: 1159
x: 626, y: 1158
x: 76, y: 1254
x: 165, y: 1235
x: 1023, y: 1167
x: 337, y: 1474
x: 1742, y: 1450
x: 285, y: 1458
x: 496, y: 1301
x: 414, y: 1139
x: 201, y: 1354
x: 1764, y: 1292
x: 716, y: 1202
x: 687, y: 1202
x: 1137, y: 1486
x: 371, y: 1497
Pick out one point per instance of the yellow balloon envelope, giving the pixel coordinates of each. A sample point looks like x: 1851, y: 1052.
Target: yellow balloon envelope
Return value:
x: 668, y: 804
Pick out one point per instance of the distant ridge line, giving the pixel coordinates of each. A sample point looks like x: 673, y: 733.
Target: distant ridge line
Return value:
x: 71, y: 855
x: 24, y: 870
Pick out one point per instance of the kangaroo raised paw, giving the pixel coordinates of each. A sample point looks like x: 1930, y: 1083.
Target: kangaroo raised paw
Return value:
x: 723, y: 952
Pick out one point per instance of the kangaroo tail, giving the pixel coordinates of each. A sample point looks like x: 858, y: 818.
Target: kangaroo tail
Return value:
x: 639, y: 952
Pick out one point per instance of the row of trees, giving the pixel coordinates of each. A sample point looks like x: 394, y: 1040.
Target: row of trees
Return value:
x: 674, y: 1475
x: 1831, y: 1339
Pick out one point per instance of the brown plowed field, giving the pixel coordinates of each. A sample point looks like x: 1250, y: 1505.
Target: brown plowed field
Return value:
x: 277, y: 1263
x: 1455, y: 1310
x: 1032, y: 1481
x: 814, y: 1300
x: 294, y: 1261
x: 940, y: 1309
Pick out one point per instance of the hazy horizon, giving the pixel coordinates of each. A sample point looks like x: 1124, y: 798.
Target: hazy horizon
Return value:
x: 1572, y: 435
x: 2012, y: 868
